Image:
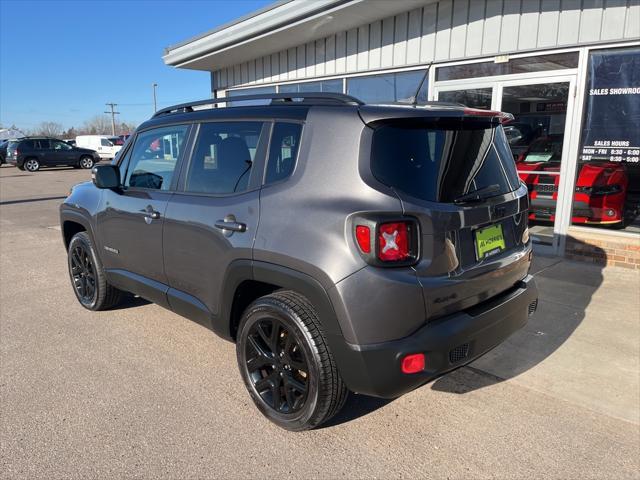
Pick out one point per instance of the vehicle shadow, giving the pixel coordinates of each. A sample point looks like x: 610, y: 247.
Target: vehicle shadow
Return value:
x: 355, y: 407
x: 131, y: 301
x: 565, y: 290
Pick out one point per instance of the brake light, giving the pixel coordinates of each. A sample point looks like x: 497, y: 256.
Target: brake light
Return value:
x: 413, y: 363
x: 363, y: 237
x: 393, y: 242
x: 504, y: 117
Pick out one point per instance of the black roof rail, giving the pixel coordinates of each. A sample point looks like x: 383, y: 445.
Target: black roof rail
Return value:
x: 276, y: 99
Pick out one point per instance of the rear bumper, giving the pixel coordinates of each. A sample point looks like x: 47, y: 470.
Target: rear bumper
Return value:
x: 448, y: 343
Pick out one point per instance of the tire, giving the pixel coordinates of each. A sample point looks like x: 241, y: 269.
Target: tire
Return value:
x: 20, y: 168
x: 31, y: 165
x: 87, y: 276
x: 86, y: 162
x: 286, y: 364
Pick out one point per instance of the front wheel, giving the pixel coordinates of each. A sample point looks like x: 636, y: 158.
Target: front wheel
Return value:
x: 286, y: 364
x: 32, y: 165
x: 88, y: 278
x: 86, y: 162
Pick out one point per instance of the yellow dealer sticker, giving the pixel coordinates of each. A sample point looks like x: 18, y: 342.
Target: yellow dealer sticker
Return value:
x: 489, y: 241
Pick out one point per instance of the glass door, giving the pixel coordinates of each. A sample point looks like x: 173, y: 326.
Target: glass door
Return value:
x: 538, y: 136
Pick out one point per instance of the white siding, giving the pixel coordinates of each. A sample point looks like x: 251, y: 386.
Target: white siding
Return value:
x: 445, y: 30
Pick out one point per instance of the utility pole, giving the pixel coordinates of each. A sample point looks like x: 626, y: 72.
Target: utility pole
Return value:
x: 113, y: 117
x: 155, y: 106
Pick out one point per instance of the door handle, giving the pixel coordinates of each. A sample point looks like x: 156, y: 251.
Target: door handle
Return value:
x: 230, y: 225
x: 150, y: 214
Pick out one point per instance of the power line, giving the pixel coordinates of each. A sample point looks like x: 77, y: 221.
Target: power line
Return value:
x: 113, y: 117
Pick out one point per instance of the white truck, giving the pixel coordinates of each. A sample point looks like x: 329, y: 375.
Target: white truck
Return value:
x: 100, y: 143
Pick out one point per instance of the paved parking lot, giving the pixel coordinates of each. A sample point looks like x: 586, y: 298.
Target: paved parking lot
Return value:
x: 142, y: 392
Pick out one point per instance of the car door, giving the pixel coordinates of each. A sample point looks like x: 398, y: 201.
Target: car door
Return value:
x: 131, y: 219
x: 44, y: 152
x: 212, y: 219
x: 62, y: 153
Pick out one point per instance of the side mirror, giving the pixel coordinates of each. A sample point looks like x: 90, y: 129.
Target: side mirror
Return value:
x: 106, y: 176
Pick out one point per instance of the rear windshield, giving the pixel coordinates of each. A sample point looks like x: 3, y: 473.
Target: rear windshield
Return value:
x: 441, y: 164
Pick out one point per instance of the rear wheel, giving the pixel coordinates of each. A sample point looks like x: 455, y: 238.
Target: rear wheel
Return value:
x: 86, y: 162
x: 31, y: 165
x: 286, y: 364
x: 87, y: 275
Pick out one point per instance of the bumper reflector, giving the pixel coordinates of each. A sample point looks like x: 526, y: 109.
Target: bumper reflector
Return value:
x: 413, y: 363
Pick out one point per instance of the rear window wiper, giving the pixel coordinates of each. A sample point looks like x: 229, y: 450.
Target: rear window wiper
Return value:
x: 478, y: 195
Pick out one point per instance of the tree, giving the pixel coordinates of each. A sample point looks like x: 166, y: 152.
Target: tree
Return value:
x: 98, y: 125
x: 49, y: 129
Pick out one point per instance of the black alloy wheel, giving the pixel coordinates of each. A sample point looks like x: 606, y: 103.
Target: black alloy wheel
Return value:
x: 286, y: 364
x: 89, y: 281
x: 83, y: 274
x: 277, y: 366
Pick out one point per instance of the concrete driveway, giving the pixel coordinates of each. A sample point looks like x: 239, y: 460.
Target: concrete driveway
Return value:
x: 142, y: 392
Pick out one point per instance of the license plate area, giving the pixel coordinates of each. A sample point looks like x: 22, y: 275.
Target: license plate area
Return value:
x: 489, y: 241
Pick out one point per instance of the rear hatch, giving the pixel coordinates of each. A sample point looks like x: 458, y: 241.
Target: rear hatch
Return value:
x: 453, y: 171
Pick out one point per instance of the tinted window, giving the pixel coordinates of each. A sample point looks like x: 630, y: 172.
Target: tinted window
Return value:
x: 223, y: 157
x: 154, y: 157
x: 41, y: 144
x: 389, y: 87
x: 439, y: 164
x: 283, y: 151
x: 105, y: 143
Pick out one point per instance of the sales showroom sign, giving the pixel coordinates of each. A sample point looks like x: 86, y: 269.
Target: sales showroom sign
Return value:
x: 611, y: 127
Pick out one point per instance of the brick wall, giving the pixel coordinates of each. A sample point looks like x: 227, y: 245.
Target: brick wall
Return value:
x: 618, y: 250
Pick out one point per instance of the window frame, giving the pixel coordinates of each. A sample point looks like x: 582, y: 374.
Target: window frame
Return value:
x: 125, y: 158
x: 259, y: 161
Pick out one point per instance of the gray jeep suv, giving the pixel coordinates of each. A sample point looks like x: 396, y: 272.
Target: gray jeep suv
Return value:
x: 341, y: 246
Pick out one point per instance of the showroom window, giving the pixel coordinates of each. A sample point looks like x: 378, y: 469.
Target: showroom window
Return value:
x: 538, y: 63
x: 390, y: 87
x: 332, y: 86
x: 250, y: 91
x: 607, y: 192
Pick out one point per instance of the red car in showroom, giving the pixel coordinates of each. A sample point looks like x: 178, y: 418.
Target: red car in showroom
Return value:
x: 601, y: 187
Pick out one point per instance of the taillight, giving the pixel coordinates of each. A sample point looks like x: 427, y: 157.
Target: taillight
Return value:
x: 393, y: 242
x: 363, y: 237
x: 384, y: 241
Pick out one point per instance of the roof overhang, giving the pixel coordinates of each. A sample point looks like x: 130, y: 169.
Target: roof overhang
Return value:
x: 277, y: 27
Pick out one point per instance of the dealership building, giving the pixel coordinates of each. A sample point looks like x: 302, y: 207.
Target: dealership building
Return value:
x: 568, y: 71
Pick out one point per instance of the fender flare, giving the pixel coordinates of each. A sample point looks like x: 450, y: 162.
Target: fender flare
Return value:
x: 68, y: 215
x: 348, y: 362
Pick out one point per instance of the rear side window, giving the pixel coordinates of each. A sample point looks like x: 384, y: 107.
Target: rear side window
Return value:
x: 154, y: 157
x: 283, y: 151
x: 439, y: 164
x: 223, y: 157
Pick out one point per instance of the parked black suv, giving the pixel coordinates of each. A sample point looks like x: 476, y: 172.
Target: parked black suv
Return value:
x: 342, y: 246
x: 31, y: 153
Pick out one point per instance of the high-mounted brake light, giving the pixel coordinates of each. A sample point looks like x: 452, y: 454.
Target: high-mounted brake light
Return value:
x: 393, y: 242
x: 413, y: 363
x: 504, y: 117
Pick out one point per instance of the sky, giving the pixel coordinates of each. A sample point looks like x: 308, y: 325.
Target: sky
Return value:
x: 63, y: 60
